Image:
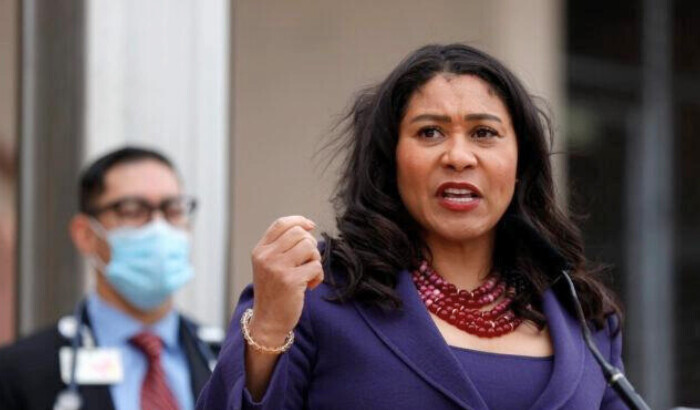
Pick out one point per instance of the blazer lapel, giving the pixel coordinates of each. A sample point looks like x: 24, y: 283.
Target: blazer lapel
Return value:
x: 569, y: 355
x: 199, y: 370
x: 411, y: 334
x: 96, y: 397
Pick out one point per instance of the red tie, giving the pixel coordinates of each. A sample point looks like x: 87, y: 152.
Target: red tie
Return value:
x: 155, y: 393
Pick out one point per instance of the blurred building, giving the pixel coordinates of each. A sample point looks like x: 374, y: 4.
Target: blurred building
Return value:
x: 633, y: 117
x: 243, y: 93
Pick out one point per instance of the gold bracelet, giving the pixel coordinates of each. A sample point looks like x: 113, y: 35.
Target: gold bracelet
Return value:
x: 245, y: 321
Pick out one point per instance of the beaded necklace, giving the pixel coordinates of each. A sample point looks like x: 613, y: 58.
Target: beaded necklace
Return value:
x: 462, y: 308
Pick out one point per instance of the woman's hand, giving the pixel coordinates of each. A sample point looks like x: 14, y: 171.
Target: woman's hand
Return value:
x: 286, y: 262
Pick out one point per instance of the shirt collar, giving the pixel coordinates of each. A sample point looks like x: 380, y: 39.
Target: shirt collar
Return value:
x: 112, y: 327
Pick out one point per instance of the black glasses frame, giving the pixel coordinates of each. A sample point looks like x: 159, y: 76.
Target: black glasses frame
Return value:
x: 116, y: 206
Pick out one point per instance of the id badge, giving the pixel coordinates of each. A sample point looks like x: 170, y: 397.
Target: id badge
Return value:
x: 95, y: 366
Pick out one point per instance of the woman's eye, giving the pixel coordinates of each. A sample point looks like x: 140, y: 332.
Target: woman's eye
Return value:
x: 430, y: 133
x: 485, y: 133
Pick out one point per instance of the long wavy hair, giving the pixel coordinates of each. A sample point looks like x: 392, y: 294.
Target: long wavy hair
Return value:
x: 377, y: 237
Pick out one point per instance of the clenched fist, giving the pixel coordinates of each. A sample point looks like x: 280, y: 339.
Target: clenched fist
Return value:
x: 286, y: 262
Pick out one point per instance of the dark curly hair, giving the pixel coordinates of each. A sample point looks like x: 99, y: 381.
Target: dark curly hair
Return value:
x: 378, y: 238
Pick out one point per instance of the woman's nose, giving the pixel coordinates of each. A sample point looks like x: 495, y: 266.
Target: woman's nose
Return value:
x: 459, y: 155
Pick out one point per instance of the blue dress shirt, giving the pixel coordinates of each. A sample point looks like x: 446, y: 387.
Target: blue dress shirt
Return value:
x: 113, y: 328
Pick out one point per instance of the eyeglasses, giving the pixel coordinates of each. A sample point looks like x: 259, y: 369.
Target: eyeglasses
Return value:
x: 136, y: 211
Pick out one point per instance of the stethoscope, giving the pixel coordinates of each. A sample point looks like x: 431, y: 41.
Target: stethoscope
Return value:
x: 76, y: 328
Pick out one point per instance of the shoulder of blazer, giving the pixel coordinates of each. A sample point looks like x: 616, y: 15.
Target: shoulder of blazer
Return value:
x: 33, y: 348
x: 29, y: 370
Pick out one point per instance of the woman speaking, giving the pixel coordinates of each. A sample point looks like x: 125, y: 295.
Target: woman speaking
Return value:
x: 429, y: 297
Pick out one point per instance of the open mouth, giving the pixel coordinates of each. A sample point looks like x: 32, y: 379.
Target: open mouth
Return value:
x: 459, y: 195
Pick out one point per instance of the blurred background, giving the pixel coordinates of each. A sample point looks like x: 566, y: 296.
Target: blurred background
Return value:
x: 241, y: 94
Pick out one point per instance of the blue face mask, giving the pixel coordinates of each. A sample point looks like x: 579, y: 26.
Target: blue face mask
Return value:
x: 149, y: 263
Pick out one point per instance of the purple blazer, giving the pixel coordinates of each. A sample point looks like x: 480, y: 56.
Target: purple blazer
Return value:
x: 350, y: 356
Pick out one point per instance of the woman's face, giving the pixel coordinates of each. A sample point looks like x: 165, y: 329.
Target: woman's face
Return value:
x: 456, y: 158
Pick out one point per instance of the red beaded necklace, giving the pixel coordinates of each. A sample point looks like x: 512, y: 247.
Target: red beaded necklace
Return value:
x: 461, y: 308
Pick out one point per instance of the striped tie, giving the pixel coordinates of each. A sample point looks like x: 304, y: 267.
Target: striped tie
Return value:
x: 155, y: 394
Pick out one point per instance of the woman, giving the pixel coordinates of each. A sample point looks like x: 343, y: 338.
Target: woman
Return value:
x: 431, y: 297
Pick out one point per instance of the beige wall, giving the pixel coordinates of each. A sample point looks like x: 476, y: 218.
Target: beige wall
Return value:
x: 8, y: 143
x: 9, y: 39
x: 297, y: 64
x: 8, y: 71
x: 530, y: 41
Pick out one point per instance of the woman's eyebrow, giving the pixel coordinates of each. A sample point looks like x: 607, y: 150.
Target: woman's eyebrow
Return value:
x: 482, y: 116
x: 446, y: 119
x: 431, y: 117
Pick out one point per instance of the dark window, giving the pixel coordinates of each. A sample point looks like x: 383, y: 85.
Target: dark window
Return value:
x: 605, y: 54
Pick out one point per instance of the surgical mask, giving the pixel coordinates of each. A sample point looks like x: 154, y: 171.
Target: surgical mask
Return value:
x: 148, y: 263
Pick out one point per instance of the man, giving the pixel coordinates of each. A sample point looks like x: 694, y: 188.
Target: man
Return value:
x: 133, y: 349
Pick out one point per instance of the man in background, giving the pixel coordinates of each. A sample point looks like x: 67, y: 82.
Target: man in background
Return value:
x: 125, y: 347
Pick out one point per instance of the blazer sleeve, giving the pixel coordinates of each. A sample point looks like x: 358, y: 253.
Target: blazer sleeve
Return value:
x: 288, y: 383
x: 611, y: 401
